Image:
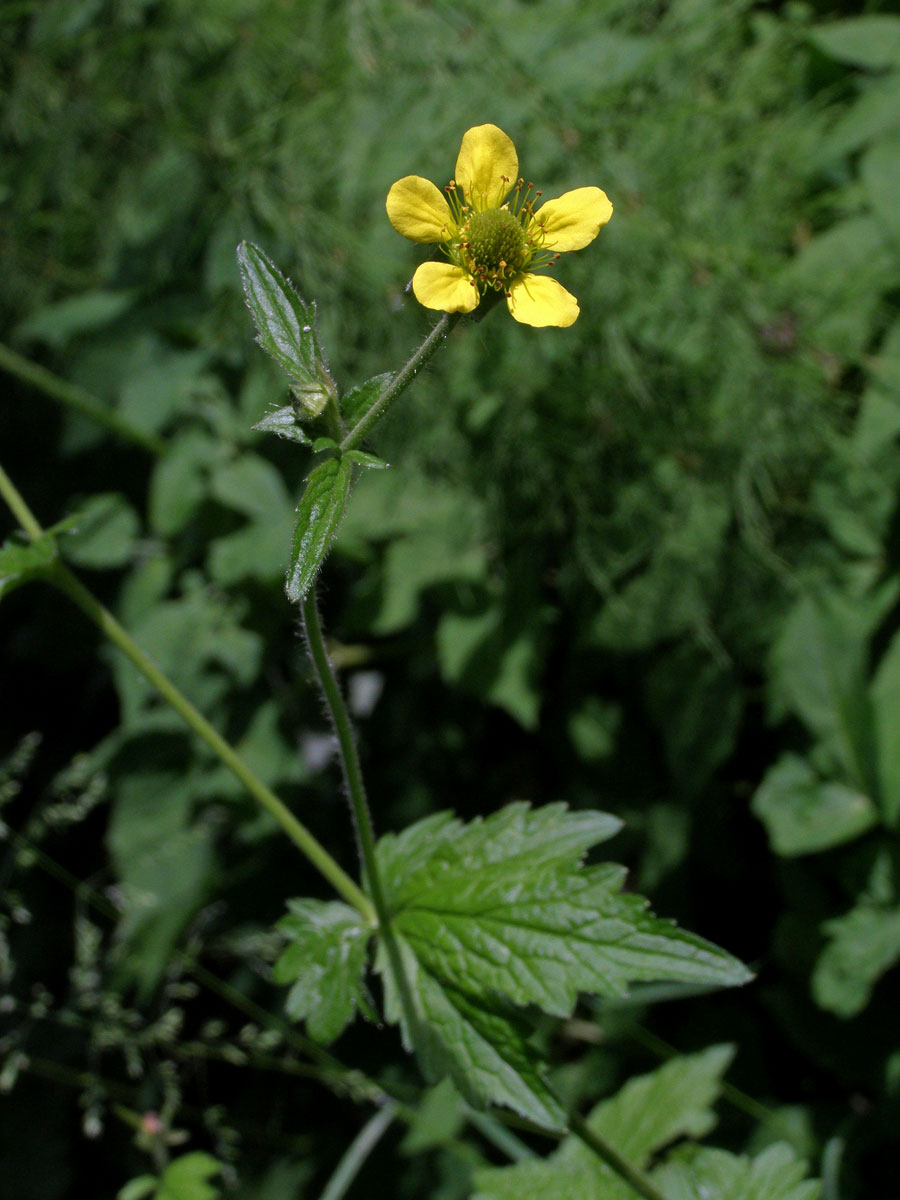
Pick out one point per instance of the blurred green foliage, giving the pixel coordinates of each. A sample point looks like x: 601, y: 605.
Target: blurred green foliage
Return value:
x: 649, y: 563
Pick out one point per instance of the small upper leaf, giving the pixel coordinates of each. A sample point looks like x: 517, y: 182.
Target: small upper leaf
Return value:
x: 318, y: 516
x: 324, y: 960
x: 286, y: 327
x: 285, y: 423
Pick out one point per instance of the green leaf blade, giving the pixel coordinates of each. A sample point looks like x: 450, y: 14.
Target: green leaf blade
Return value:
x: 804, y: 814
x: 863, y: 945
x: 188, y: 1178
x: 286, y: 326
x: 284, y: 423
x: 324, y: 961
x: 479, y: 1041
x: 356, y: 402
x: 709, y: 1174
x: 870, y: 42
x: 318, y: 516
x: 500, y: 914
x: 647, y: 1114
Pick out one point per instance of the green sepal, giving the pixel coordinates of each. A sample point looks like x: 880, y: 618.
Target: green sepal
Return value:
x: 286, y: 328
x: 358, y: 400
x: 324, y: 443
x: 285, y: 423
x: 318, y: 516
x: 21, y: 562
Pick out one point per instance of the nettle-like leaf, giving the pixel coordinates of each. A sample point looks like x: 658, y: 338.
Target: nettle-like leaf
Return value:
x: 708, y: 1174
x: 324, y: 961
x: 318, y: 516
x: 286, y: 328
x: 500, y: 914
x: 648, y: 1113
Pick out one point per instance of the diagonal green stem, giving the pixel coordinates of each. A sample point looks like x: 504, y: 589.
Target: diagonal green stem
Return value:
x: 401, y: 380
x: 62, y: 577
x: 76, y: 398
x: 357, y: 1152
x: 594, y: 1141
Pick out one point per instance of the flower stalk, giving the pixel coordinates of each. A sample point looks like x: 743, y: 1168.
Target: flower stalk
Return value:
x: 401, y: 381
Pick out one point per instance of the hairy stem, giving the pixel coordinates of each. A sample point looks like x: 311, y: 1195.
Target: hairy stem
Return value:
x: 401, y: 381
x: 62, y: 577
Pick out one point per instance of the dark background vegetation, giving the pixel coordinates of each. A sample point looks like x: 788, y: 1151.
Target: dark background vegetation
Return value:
x: 648, y: 564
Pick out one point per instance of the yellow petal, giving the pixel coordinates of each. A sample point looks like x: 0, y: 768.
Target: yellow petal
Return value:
x: 418, y: 210
x: 574, y: 220
x: 539, y: 300
x: 487, y: 166
x: 445, y: 287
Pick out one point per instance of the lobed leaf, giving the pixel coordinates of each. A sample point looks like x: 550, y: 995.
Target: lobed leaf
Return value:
x: 501, y: 913
x: 324, y: 961
x: 648, y: 1113
x: 479, y: 1040
x: 318, y: 516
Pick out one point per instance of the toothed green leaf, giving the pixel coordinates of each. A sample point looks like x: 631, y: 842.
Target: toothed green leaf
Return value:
x: 318, y: 516
x: 500, y: 913
x: 285, y: 423
x: 717, y: 1175
x: 286, y: 327
x: 647, y: 1114
x: 324, y: 960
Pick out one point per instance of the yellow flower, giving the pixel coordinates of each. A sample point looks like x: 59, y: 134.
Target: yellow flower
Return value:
x: 495, y: 240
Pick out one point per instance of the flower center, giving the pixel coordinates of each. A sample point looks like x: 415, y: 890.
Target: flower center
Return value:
x: 495, y: 240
